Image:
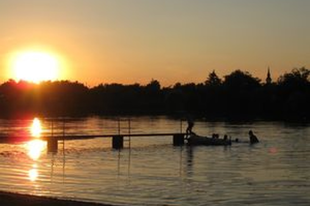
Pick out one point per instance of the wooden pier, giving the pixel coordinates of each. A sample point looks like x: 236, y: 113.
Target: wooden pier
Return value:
x: 117, y: 139
x: 56, y: 133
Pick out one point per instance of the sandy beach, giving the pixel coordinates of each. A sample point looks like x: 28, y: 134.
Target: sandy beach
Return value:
x: 14, y: 199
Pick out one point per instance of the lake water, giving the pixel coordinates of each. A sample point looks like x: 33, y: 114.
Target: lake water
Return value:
x: 153, y: 172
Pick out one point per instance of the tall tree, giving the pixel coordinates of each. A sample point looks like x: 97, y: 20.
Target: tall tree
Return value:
x: 213, y: 80
x: 241, y: 80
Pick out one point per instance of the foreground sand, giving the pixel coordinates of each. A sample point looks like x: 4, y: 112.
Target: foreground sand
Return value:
x: 13, y: 199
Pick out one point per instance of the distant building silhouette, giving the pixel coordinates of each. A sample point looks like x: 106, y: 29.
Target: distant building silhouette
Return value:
x: 268, y: 79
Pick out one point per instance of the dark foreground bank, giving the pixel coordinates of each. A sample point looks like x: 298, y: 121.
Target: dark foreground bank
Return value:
x: 14, y: 199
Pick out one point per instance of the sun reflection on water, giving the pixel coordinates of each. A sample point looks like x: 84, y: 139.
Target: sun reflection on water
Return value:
x: 33, y: 173
x: 36, y: 128
x: 35, y: 148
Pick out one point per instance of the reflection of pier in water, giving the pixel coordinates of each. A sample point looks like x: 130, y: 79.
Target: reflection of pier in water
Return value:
x: 122, y: 165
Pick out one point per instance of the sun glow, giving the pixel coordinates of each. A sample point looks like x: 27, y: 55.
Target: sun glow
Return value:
x: 35, y: 66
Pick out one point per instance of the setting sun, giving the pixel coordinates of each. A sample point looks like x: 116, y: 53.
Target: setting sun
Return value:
x: 35, y: 66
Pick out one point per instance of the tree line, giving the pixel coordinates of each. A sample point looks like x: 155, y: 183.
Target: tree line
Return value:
x: 238, y: 95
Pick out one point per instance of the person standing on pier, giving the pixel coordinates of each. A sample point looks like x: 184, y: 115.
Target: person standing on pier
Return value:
x: 190, y: 125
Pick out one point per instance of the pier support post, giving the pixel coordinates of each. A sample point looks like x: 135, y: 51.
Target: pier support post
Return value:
x: 178, y: 139
x: 117, y: 142
x: 52, y: 145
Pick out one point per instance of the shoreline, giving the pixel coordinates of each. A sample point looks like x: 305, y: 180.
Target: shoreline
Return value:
x: 16, y: 199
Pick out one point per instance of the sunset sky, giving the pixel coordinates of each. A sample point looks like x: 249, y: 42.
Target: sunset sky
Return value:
x: 128, y: 41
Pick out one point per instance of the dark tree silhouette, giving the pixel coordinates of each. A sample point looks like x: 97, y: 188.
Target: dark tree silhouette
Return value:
x: 238, y: 95
x: 297, y: 79
x: 239, y: 80
x: 241, y: 94
x: 294, y: 93
x: 213, y: 96
x: 213, y: 80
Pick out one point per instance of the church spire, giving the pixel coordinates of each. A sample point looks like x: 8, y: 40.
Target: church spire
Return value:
x: 268, y: 79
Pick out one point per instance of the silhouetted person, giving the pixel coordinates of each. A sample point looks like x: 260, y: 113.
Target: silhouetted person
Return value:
x: 190, y: 125
x: 225, y: 137
x: 253, y: 138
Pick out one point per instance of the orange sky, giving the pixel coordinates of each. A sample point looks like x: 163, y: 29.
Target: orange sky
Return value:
x: 128, y: 41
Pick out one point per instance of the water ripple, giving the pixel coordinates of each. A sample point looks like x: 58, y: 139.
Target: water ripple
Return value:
x: 153, y: 172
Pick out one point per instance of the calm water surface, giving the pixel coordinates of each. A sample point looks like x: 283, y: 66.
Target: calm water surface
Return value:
x: 153, y: 172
